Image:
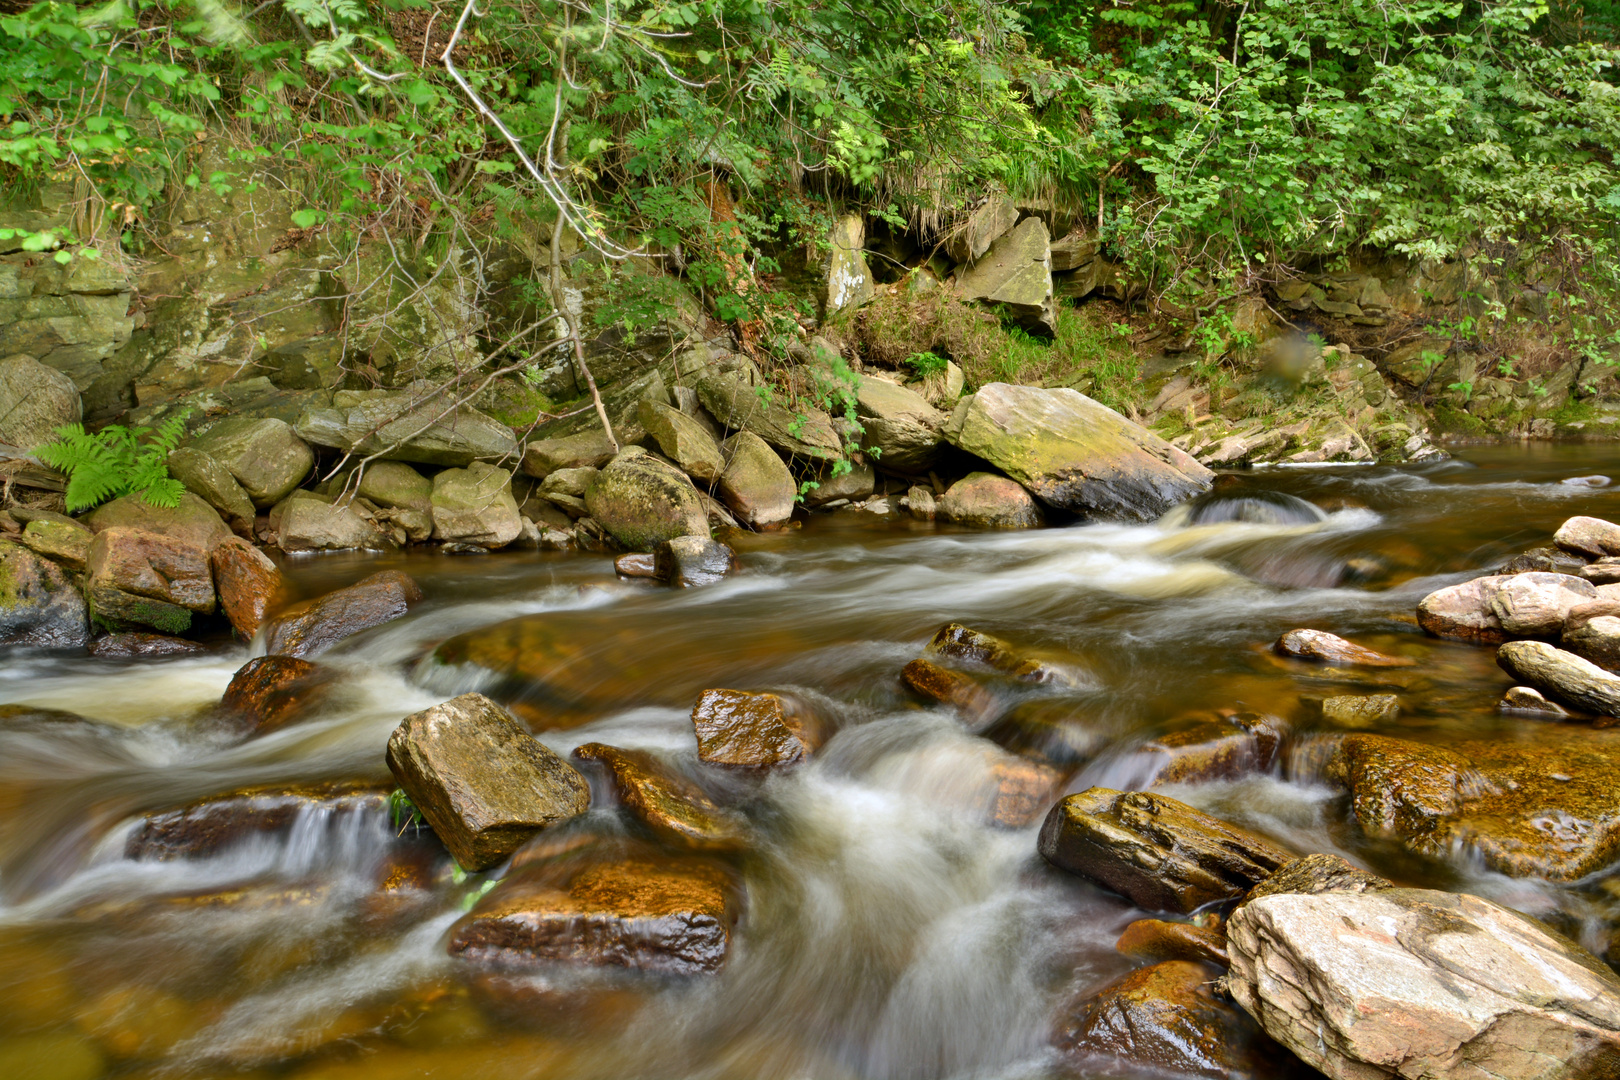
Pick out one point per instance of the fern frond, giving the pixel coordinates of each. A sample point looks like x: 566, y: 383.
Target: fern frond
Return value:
x: 165, y: 493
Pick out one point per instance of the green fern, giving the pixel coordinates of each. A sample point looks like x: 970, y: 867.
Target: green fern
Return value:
x: 115, y: 461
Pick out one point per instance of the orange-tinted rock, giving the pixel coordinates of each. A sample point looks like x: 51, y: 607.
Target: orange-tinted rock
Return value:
x: 963, y: 643
x: 206, y: 826
x: 1025, y: 790
x: 249, y: 584
x: 147, y: 564
x: 1158, y: 939
x: 1047, y: 729
x: 637, y: 564
x: 132, y: 646
x: 270, y: 692
x: 314, y: 626
x: 1220, y: 749
x: 948, y: 687
x: 735, y: 727
x: 1326, y: 648
x: 1463, y: 612
x: 663, y: 800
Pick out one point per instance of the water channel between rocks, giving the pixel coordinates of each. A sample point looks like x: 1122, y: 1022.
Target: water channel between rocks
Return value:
x: 888, y: 930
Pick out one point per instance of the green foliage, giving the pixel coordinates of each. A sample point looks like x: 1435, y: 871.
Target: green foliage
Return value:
x: 926, y: 363
x: 402, y: 812
x: 116, y: 461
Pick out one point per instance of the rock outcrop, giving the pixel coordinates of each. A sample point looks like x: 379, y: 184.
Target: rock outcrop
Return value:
x: 1015, y: 274
x: 799, y: 432
x: 683, y: 440
x: 847, y: 281
x: 214, y: 484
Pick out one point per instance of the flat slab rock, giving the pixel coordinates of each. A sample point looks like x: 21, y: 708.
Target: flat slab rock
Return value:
x: 207, y: 826
x: 1423, y: 985
x: 483, y: 783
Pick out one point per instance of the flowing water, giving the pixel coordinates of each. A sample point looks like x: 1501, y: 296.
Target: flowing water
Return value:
x: 889, y: 931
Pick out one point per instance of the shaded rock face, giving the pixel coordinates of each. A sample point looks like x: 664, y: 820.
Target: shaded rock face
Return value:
x: 264, y: 456
x: 983, y: 227
x: 1423, y: 985
x: 1164, y: 1017
x: 1592, y: 632
x: 689, y: 561
x: 684, y: 440
x: 39, y: 606
x: 481, y: 781
x: 210, y: 825
x: 668, y: 915
x: 193, y: 521
x: 667, y: 803
x: 642, y: 501
x: 142, y: 646
x: 366, y: 422
x: 900, y: 424
x: 1547, y: 809
x: 751, y: 730
x: 1074, y: 453
x: 1158, y: 853
x: 310, y: 524
x: 803, y: 433
x: 1016, y: 272
x: 1326, y: 648
x: 1155, y: 940
x: 270, y: 692
x: 35, y: 400
x: 314, y: 626
x: 986, y: 501
x: 1318, y: 873
x: 1562, y: 675
x: 214, y: 484
x: 475, y: 506
x: 248, y: 583
x: 756, y: 484
x: 1589, y: 537
x: 1217, y: 749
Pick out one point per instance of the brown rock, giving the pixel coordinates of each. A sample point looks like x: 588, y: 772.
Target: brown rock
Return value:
x: 1317, y: 874
x: 763, y: 730
x: 636, y: 564
x: 148, y: 564
x: 1361, y: 710
x: 1605, y: 571
x: 1047, y: 729
x: 972, y: 646
x: 1463, y: 612
x: 1528, y: 700
x: 270, y: 692
x: 1221, y: 749
x: 987, y: 501
x: 1535, y: 604
x: 1562, y: 675
x: 1158, y: 853
x: 248, y: 582
x: 483, y: 783
x: 689, y: 561
x: 1155, y: 940
x: 1024, y: 791
x: 928, y: 680
x: 193, y: 521
x: 209, y: 825
x: 1592, y: 632
x: 667, y: 803
x: 1328, y: 648
x: 1590, y: 537
x: 133, y: 646
x: 314, y: 626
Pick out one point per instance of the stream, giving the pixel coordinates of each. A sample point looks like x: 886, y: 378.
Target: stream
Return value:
x: 889, y: 932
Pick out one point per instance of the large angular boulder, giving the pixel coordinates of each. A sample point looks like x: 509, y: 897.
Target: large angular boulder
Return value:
x: 1158, y: 853
x: 987, y: 224
x: 1016, y: 273
x: 755, y: 484
x: 408, y: 426
x: 684, y: 440
x: 475, y: 506
x: 481, y: 781
x: 667, y: 803
x: 39, y: 605
x: 753, y: 730
x: 214, y: 484
x: 984, y: 500
x: 689, y: 561
x: 312, y: 524
x: 797, y: 431
x: 846, y: 279
x: 314, y: 626
x: 1074, y: 453
x: 1562, y: 676
x: 1423, y: 985
x: 902, y: 428
x: 193, y: 521
x: 147, y: 578
x: 265, y: 456
x: 35, y: 400
x: 642, y: 501
x: 248, y: 583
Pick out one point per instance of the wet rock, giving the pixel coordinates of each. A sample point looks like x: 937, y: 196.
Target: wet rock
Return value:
x: 684, y: 440
x: 1325, y: 648
x: 1163, y: 1018
x: 935, y: 683
x: 265, y: 456
x: 210, y: 825
x: 1222, y: 749
x: 214, y: 484
x: 193, y: 521
x: 142, y: 646
x: 800, y: 432
x: 1361, y: 710
x: 1463, y: 612
x: 901, y: 426
x: 987, y: 224
x: 673, y: 916
x: 475, y: 506
x: 312, y: 525
x: 1535, y: 604
x: 1317, y: 874
x: 66, y: 542
x: 1074, y: 453
x: 1047, y: 729
x: 755, y: 484
x: 1024, y: 791
x: 1016, y: 274
x: 642, y: 501
x: 1534, y: 809
x: 483, y: 783
x: 408, y: 426
x: 1605, y: 571
x: 1158, y: 853
x: 1590, y: 537
x: 1562, y: 676
x: 1592, y: 631
x: 314, y: 626
x: 587, y: 450
x: 637, y: 564
x: 986, y: 501
x: 689, y: 561
x: 1156, y: 940
x: 963, y: 643
x: 270, y: 692
x: 1528, y: 700
x: 39, y: 605
x: 753, y: 730
x: 147, y: 579
x: 248, y: 582
x: 35, y: 400
x: 670, y: 805
x: 1421, y: 984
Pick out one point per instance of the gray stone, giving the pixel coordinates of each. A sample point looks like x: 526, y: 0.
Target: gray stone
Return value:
x: 64, y: 542
x: 1017, y: 273
x: 983, y: 227
x: 39, y: 605
x: 796, y: 431
x: 1463, y: 612
x: 756, y: 484
x: 854, y: 484
x: 312, y: 525
x: 1562, y: 676
x: 1605, y: 571
x: 586, y: 450
x: 395, y: 485
x: 214, y: 484
x: 265, y: 456
x: 35, y: 400
x: 1589, y: 536
x: 1073, y: 252
x: 1075, y: 454
x: 641, y: 501
x: 921, y: 504
x: 193, y: 520
x: 475, y: 506
x: 987, y: 501
x: 901, y: 426
x: 683, y: 440
x: 687, y: 561
x: 1534, y: 604
x: 1591, y: 631
x: 368, y: 422
x: 846, y: 279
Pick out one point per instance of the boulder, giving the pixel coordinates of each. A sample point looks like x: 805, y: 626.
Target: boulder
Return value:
x: 1530, y: 702
x: 369, y: 422
x: 312, y: 627
x: 673, y: 807
x: 1590, y: 631
x: 637, y: 564
x: 684, y: 440
x: 1155, y: 940
x: 1605, y: 571
x: 483, y: 783
x: 1561, y: 675
x: 642, y: 501
x: 1361, y: 710
x: 1158, y: 853
x: 967, y: 645
x: 248, y: 584
x: 142, y: 647
x: 947, y: 687
x: 903, y: 430
x: 141, y: 577
x: 193, y: 521
x: 1317, y: 874
x: 1223, y: 748
x: 830, y: 485
x: 1015, y: 273
x: 1326, y: 648
x: 1423, y: 985
x: 1589, y: 537
x: 270, y: 692
x: 475, y: 506
x: 752, y: 730
x: 313, y: 525
x: 986, y: 501
x: 797, y: 431
x: 395, y: 485
x: 1535, y: 604
x: 1074, y: 453
x: 39, y: 605
x: 689, y: 561
x: 265, y: 456
x: 756, y: 484
x: 64, y: 542
x: 586, y: 450
x: 846, y: 279
x: 1463, y: 612
x: 920, y: 503
x: 35, y: 400
x: 987, y: 224
x: 214, y: 484
x: 210, y: 825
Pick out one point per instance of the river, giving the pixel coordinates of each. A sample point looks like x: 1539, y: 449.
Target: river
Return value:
x: 889, y: 931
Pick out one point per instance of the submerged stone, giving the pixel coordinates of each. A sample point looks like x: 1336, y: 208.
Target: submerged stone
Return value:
x: 1361, y: 710
x: 940, y: 684
x: 1157, y: 940
x: 976, y: 647
x: 270, y: 692
x: 1220, y: 749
